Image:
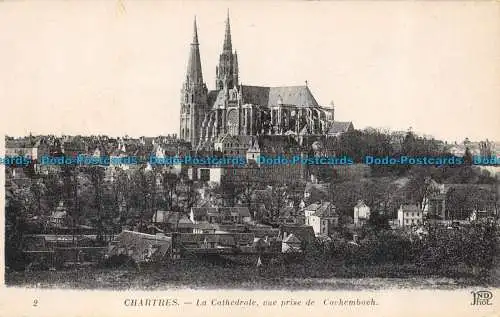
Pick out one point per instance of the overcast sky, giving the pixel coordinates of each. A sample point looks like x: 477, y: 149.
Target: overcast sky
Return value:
x: 105, y: 67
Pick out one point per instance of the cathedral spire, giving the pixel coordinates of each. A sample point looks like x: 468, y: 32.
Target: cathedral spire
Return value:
x: 195, y: 35
x: 227, y: 37
x: 194, y: 74
x: 227, y: 70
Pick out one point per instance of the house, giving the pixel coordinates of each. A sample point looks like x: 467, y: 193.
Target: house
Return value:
x: 225, y: 241
x: 266, y: 244
x: 253, y: 152
x: 315, y: 192
x: 234, y: 145
x: 220, y: 215
x: 204, y: 228
x: 235, y: 215
x: 321, y: 216
x: 361, y: 213
x: 170, y: 221
x: 338, y: 128
x: 409, y: 215
x: 22, y: 147
x: 262, y: 231
x: 435, y: 206
x: 481, y: 215
x: 140, y: 246
x: 204, y: 214
x: 210, y: 174
x: 291, y: 244
x: 304, y: 233
x: 289, y: 215
x: 58, y: 216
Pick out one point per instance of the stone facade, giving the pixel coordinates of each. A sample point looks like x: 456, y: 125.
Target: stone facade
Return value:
x: 236, y: 109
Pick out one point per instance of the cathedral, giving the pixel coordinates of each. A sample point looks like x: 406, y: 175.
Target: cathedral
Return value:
x: 240, y: 110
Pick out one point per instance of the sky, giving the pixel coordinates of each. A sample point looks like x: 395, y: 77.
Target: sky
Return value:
x: 116, y: 68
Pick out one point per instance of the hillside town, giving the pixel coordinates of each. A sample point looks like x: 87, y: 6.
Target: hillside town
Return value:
x: 284, y: 187
x: 82, y: 214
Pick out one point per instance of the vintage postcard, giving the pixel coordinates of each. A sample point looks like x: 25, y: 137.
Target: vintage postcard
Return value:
x: 272, y: 158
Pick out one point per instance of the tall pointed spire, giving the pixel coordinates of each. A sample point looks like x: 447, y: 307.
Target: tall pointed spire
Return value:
x: 227, y: 70
x: 227, y: 37
x: 195, y: 35
x: 194, y: 74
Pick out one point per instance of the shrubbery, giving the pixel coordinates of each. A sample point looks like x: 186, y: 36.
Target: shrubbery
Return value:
x: 438, y: 251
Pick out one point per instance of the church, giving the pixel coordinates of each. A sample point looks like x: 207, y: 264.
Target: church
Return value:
x: 233, y: 109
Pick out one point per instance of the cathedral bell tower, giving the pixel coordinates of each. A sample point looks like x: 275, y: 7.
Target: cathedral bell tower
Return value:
x: 227, y: 71
x: 193, y: 95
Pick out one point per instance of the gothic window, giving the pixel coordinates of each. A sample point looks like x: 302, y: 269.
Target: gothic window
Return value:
x: 186, y: 98
x: 192, y: 98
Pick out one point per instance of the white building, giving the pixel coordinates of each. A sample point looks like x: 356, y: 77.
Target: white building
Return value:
x: 206, y: 174
x: 409, y: 215
x: 361, y: 213
x: 321, y: 216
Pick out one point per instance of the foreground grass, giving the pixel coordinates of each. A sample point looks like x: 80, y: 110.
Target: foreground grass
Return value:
x: 186, y: 274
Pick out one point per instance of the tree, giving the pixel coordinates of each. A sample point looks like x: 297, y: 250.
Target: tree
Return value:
x: 462, y: 201
x: 170, y: 183
x: 189, y: 194
x: 121, y: 188
x: 279, y: 198
x: 467, y: 157
x: 420, y: 186
x: 96, y: 174
x: 231, y: 192
x: 15, y: 216
x: 143, y: 184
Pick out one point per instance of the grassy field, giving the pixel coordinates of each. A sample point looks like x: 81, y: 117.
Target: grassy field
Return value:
x: 220, y: 276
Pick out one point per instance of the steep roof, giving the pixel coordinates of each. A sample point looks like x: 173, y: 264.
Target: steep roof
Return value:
x: 203, y: 211
x: 360, y: 204
x: 410, y: 208
x: 326, y: 209
x: 304, y: 233
x: 340, y: 127
x: 138, y: 243
x: 271, y: 96
x: 176, y: 218
x: 194, y: 74
x: 291, y: 239
x: 242, y: 211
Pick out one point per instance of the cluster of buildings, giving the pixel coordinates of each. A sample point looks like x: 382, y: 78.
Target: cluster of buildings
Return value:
x: 230, y: 230
x: 207, y: 116
x: 233, y: 120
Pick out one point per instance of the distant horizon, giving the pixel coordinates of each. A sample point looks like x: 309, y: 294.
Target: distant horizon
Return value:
x: 78, y: 68
x: 383, y: 130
